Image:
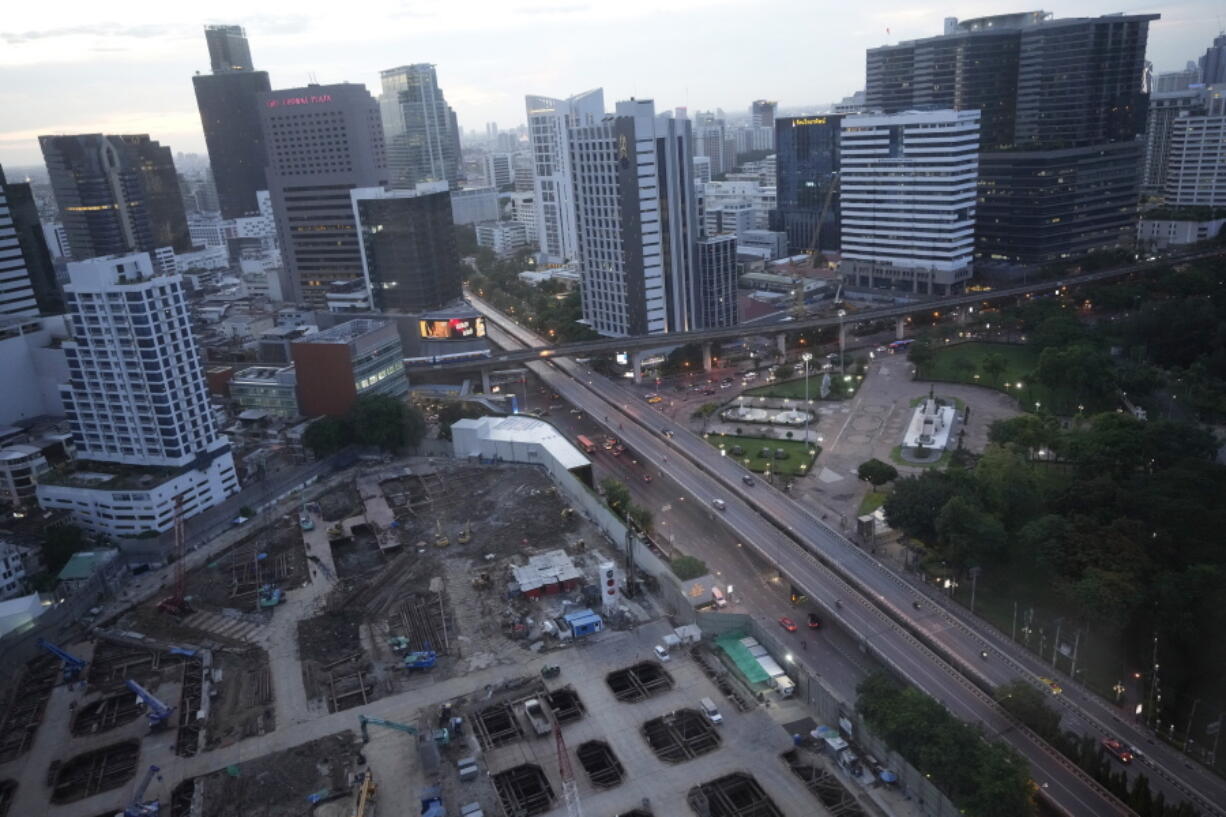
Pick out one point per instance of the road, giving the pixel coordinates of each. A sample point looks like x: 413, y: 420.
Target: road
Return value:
x: 881, y: 612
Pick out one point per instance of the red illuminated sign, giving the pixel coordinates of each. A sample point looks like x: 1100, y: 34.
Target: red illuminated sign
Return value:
x: 299, y: 100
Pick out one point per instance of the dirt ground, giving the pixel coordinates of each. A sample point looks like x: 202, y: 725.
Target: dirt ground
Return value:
x: 278, y: 785
x: 243, y: 706
x: 340, y: 503
x: 230, y: 580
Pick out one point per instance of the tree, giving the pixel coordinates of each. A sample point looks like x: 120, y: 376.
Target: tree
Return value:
x: 1008, y: 486
x: 914, y: 503
x: 60, y: 541
x: 688, y: 567
x: 327, y: 435
x: 1027, y: 431
x: 876, y: 472
x: 1029, y: 706
x: 453, y: 412
x: 994, y: 366
x: 967, y: 534
x: 616, y: 496
x: 920, y: 353
x: 640, y: 517
x: 784, y: 371
x: 387, y: 422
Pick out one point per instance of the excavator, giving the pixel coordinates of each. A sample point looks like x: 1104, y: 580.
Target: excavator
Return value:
x: 440, y: 538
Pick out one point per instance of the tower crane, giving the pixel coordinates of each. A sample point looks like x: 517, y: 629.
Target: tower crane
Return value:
x: 570, y: 789
x: 72, y: 665
x: 158, y: 711
x: 815, y: 251
x: 139, y: 808
x: 176, y: 604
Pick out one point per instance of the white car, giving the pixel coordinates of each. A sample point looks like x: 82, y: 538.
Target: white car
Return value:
x: 662, y: 653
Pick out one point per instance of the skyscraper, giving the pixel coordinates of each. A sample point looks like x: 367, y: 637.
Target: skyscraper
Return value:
x: 136, y: 398
x: 549, y: 124
x: 322, y: 141
x: 806, y: 168
x: 1196, y: 170
x: 26, y: 268
x: 116, y: 194
x: 762, y: 113
x: 423, y: 140
x: 908, y: 185
x: 230, y: 117
x: 715, y: 302
x: 1213, y: 64
x: 409, y: 252
x: 637, y: 221
x: 1164, y: 108
x: 1062, y: 104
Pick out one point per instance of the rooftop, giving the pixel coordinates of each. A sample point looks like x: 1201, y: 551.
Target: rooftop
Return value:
x: 83, y: 565
x: 109, y: 475
x: 521, y: 429
x: 345, y: 332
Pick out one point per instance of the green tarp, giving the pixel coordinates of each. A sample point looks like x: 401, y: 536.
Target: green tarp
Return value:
x: 731, y: 644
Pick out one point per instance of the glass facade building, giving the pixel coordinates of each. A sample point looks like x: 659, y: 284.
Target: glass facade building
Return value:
x: 806, y: 165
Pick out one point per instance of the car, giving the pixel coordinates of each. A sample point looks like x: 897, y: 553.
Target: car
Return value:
x: 719, y: 504
x: 748, y: 480
x: 661, y: 652
x: 815, y: 623
x: 1118, y: 750
x: 667, y: 433
x: 646, y: 477
x: 708, y: 391
x: 787, y: 624
x: 1055, y: 688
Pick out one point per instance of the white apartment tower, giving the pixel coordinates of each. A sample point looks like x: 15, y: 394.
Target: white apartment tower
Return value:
x: 637, y: 221
x: 136, y: 402
x: 549, y: 123
x: 908, y: 192
x: 1196, y: 165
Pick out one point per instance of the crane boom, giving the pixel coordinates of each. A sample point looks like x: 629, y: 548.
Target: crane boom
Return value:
x: 158, y: 711
x: 365, y: 719
x: 177, y: 604
x: 72, y: 664
x: 570, y: 789
x: 139, y: 808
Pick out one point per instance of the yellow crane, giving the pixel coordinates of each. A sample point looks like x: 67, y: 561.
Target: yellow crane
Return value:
x: 440, y: 538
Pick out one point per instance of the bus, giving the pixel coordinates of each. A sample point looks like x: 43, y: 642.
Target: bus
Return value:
x: 587, y: 445
x: 899, y: 345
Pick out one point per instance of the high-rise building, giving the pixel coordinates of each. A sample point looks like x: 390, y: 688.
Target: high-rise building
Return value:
x: 322, y: 141
x: 1213, y: 64
x: 338, y: 365
x: 1062, y: 104
x: 637, y: 221
x: 423, y: 139
x: 1176, y: 80
x: 1196, y: 171
x: 28, y: 283
x: 228, y: 49
x: 762, y: 113
x: 909, y: 185
x: 408, y: 244
x: 116, y: 194
x: 549, y: 124
x: 136, y: 402
x: 806, y: 171
x: 715, y: 298
x: 1164, y: 108
x: 499, y: 170
x: 230, y: 116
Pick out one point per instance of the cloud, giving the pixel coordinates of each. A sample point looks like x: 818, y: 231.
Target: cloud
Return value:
x: 98, y: 30
x: 576, y: 8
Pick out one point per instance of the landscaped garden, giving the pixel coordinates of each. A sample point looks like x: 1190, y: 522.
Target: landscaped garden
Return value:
x: 841, y: 387
x: 781, y: 456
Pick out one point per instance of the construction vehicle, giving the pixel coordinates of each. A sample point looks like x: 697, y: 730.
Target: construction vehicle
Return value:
x: 365, y: 794
x: 158, y: 712
x: 537, y: 716
x: 139, y: 808
x: 72, y: 665
x: 304, y: 519
x: 336, y: 532
x: 271, y: 595
x: 176, y: 604
x: 440, y: 538
x: 551, y: 671
x: 420, y: 659
x: 440, y: 736
x: 466, y: 533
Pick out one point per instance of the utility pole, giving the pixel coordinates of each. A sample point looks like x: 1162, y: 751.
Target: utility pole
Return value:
x: 1076, y: 644
x: 1187, y: 735
x: 1153, y: 682
x: 1013, y: 630
x: 1055, y: 645
x: 974, y: 581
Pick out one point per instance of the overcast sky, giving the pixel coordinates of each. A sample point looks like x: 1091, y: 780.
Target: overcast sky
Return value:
x: 125, y: 67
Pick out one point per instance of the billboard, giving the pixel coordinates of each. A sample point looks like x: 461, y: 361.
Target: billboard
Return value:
x: 452, y: 328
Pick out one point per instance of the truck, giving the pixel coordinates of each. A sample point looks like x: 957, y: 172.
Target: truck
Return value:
x: 537, y: 716
x: 784, y: 685
x: 671, y: 642
x: 718, y: 596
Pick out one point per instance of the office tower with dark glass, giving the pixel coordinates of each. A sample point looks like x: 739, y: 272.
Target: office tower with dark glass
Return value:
x: 408, y: 244
x: 637, y: 221
x: 322, y: 141
x: 423, y: 140
x: 762, y: 113
x: 549, y: 124
x: 116, y: 194
x: 806, y: 169
x: 1062, y: 104
x: 230, y: 117
x: 28, y: 283
x: 715, y: 303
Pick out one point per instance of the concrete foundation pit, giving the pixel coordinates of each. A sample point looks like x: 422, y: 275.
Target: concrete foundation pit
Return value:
x: 497, y: 726
x: 181, y: 798
x: 601, y: 764
x: 100, y: 770
x: 639, y: 682
x: 565, y: 705
x: 680, y: 736
x: 734, y: 795
x: 823, y: 785
x: 7, y: 789
x: 524, y: 791
x: 105, y: 714
x: 26, y: 707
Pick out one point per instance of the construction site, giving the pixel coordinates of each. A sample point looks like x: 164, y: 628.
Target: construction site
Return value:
x: 421, y: 637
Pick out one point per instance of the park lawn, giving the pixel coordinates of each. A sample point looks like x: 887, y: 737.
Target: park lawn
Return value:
x: 963, y: 363
x: 795, y: 389
x: 797, y: 453
x: 871, y: 502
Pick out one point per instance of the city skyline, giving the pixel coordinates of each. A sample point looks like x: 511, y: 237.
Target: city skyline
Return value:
x: 485, y: 63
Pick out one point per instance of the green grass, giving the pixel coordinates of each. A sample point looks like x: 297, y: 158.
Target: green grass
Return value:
x: 795, y: 389
x: 797, y: 453
x: 871, y: 502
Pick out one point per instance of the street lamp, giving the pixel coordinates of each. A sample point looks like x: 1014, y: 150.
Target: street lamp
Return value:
x: 806, y: 357
x: 842, y: 362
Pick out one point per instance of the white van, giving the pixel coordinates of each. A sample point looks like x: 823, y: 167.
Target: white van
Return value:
x: 718, y: 596
x: 708, y: 709
x: 719, y: 504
